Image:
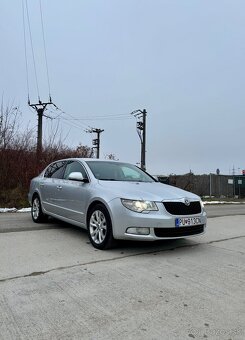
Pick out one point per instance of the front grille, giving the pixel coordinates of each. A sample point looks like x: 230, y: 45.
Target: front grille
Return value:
x: 179, y: 208
x: 178, y: 232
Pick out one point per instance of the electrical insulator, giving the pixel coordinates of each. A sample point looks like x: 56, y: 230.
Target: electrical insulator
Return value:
x: 140, y: 125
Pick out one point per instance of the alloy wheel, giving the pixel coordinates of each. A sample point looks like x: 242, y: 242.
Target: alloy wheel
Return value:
x: 98, y: 226
x: 35, y: 208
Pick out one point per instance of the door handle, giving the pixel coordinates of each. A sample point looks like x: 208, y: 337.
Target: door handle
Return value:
x: 59, y: 187
x: 42, y: 184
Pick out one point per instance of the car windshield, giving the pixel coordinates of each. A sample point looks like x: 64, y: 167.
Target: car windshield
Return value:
x: 116, y: 171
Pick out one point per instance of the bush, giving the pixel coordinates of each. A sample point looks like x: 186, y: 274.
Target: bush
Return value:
x: 18, y: 167
x: 19, y: 162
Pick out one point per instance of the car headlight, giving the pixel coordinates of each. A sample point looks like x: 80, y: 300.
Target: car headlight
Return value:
x: 138, y: 205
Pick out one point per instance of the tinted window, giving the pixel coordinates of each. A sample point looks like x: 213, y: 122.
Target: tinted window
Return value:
x: 73, y: 166
x: 55, y: 170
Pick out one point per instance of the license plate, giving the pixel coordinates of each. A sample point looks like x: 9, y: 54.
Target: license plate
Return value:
x: 187, y: 221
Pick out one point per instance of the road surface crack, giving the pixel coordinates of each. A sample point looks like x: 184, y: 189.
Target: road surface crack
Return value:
x: 116, y: 258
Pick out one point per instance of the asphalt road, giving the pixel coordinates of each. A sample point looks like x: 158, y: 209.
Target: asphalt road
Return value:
x: 55, y: 285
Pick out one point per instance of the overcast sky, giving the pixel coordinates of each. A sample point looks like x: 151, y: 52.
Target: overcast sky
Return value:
x: 182, y: 61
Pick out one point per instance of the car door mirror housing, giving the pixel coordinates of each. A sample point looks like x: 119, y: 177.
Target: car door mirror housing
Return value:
x: 77, y: 176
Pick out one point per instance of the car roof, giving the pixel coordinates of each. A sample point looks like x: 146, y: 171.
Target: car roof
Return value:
x: 90, y: 160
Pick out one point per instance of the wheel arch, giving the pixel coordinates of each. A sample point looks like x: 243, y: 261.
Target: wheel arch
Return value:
x: 93, y: 204
x: 108, y: 240
x: 37, y: 193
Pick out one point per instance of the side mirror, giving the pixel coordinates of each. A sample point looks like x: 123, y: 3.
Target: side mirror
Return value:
x: 77, y: 176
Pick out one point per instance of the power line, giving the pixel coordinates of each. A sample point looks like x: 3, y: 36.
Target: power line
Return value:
x: 75, y: 122
x: 26, y: 61
x: 99, y: 117
x: 122, y: 115
x: 44, y: 45
x: 103, y: 118
x: 67, y: 122
x: 69, y: 115
x: 33, y: 56
x: 39, y: 106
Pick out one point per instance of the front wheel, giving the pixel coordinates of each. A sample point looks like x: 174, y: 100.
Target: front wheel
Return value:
x: 100, y: 227
x: 36, y: 210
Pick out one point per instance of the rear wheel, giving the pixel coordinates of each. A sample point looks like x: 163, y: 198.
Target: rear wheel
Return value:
x: 36, y: 210
x: 100, y: 227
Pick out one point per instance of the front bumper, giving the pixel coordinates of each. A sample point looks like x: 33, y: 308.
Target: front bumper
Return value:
x: 161, y: 224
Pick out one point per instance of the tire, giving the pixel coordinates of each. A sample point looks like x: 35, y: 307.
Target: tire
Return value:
x: 36, y: 210
x: 100, y: 227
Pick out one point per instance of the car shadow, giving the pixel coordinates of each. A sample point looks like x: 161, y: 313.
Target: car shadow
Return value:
x: 125, y: 245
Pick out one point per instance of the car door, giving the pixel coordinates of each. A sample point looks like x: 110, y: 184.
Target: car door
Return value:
x: 50, y: 187
x: 74, y: 193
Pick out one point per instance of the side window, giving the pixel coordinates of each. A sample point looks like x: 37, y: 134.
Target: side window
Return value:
x: 55, y: 170
x: 74, y: 166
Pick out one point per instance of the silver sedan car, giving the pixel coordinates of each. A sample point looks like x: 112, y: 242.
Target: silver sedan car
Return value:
x: 114, y: 200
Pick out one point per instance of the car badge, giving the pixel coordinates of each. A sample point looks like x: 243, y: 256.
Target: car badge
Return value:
x: 187, y: 202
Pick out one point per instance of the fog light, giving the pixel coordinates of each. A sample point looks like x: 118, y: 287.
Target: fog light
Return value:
x: 138, y: 231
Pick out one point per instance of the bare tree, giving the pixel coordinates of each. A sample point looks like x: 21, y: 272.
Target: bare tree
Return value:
x: 9, y: 124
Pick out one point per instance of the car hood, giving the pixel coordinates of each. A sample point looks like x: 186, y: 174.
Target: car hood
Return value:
x: 153, y: 191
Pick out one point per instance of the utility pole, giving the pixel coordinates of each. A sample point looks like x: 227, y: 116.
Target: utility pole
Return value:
x: 40, y: 108
x: 141, y: 130
x: 96, y: 141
